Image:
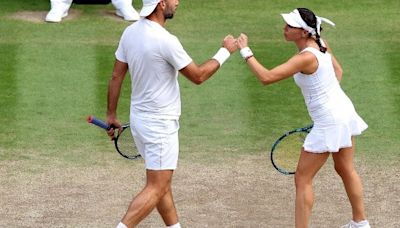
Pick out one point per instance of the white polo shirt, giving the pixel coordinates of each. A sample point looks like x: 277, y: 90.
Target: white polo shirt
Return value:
x: 154, y: 57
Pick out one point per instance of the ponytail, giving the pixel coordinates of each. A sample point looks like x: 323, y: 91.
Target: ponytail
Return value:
x: 314, y: 26
x: 321, y: 47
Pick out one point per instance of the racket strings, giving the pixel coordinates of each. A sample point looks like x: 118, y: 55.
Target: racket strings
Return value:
x: 125, y: 144
x: 287, y: 152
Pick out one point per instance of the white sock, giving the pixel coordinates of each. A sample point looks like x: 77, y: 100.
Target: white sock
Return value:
x: 362, y: 224
x: 121, y: 225
x: 178, y: 225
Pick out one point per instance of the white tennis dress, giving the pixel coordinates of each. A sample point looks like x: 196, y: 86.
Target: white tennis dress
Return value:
x: 335, y: 119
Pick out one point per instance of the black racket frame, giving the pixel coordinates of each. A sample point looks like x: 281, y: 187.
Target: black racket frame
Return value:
x: 306, y: 129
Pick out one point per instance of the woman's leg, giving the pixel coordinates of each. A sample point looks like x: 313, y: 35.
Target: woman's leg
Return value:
x: 308, y: 166
x: 352, y: 182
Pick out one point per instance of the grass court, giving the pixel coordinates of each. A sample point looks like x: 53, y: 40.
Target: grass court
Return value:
x: 56, y: 170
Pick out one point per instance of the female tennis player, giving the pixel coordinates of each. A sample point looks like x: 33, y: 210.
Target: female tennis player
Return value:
x: 317, y: 72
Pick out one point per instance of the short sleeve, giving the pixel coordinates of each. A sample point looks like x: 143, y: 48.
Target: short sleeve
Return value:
x: 175, y: 54
x: 120, y: 53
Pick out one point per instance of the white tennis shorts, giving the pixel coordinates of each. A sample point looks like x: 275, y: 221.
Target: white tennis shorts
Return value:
x: 157, y: 142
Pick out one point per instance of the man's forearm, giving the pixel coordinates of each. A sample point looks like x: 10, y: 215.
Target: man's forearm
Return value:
x: 114, y: 88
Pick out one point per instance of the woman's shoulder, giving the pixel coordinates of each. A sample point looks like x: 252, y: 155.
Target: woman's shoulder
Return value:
x: 308, y: 54
x: 313, y: 50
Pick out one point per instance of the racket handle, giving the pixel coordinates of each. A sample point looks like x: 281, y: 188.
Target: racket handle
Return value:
x: 97, y: 122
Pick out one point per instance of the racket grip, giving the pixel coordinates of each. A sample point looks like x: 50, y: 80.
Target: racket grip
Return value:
x: 97, y: 122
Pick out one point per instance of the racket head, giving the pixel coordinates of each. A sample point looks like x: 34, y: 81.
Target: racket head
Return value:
x: 285, y: 152
x: 125, y: 145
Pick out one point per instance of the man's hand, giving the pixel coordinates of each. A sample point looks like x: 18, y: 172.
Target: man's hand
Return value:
x: 115, y: 124
x: 230, y: 43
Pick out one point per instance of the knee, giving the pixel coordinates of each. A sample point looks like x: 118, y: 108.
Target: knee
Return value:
x: 158, y: 190
x: 343, y: 170
x: 301, y: 181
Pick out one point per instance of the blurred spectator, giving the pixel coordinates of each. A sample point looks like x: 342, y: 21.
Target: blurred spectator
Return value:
x: 59, y: 9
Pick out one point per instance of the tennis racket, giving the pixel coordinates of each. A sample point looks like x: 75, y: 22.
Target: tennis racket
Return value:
x: 124, y: 143
x: 285, y: 152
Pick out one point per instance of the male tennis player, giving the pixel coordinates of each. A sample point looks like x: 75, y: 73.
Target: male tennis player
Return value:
x: 153, y: 57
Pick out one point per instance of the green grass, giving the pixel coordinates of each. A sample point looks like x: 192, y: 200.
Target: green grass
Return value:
x: 53, y: 75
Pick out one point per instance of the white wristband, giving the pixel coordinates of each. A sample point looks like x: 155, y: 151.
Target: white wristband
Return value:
x: 222, y: 55
x: 246, y: 53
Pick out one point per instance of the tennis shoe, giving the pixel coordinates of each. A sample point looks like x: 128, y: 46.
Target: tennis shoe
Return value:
x: 128, y: 13
x: 352, y: 224
x: 58, y: 12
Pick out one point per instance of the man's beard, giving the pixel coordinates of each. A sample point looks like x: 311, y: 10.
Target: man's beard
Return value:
x: 168, y: 15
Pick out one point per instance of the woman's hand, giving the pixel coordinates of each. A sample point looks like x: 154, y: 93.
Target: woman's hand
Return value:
x: 242, y: 41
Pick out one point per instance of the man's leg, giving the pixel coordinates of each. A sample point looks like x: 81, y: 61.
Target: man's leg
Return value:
x: 167, y: 210
x: 59, y: 10
x: 158, y: 184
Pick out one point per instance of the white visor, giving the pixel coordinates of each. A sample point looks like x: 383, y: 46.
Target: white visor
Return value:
x: 148, y: 7
x: 294, y: 19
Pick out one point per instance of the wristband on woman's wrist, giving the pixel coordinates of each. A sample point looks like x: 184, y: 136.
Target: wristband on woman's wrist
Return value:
x: 222, y: 55
x: 246, y: 53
